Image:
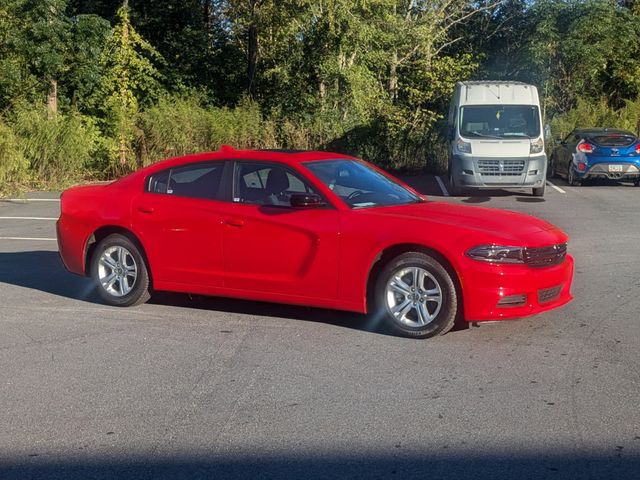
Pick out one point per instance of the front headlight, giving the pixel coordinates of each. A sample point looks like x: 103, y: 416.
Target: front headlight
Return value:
x: 463, y: 147
x: 537, y: 146
x: 497, y: 254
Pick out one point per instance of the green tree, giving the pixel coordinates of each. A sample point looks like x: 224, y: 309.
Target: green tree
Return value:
x: 129, y: 78
x: 34, y: 47
x: 585, y: 50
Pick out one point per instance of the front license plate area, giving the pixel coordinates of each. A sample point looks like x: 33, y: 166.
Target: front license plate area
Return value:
x: 615, y: 168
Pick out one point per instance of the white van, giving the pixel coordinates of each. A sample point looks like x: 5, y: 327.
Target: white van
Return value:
x: 496, y: 137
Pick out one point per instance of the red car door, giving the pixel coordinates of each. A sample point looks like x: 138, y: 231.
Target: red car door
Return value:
x: 270, y: 246
x: 179, y: 221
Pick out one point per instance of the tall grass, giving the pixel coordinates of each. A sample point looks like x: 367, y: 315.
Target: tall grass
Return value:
x: 13, y: 165
x: 58, y: 149
x: 179, y: 125
x: 597, y: 113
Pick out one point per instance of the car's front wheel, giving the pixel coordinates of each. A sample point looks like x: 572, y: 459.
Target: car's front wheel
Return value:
x: 415, y: 296
x: 538, y: 191
x: 120, y: 272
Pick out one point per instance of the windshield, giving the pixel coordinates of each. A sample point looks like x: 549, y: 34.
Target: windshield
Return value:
x: 359, y: 185
x: 500, y: 121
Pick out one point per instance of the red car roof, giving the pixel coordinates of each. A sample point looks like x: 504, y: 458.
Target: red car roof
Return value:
x: 283, y: 156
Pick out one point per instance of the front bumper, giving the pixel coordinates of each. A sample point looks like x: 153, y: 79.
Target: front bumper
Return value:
x: 475, y: 172
x: 486, y: 285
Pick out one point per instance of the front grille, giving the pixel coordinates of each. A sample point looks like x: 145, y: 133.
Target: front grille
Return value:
x: 545, y: 256
x: 548, y: 294
x: 501, y: 167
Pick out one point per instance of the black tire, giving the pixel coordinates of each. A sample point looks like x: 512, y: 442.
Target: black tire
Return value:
x: 571, y: 178
x: 454, y: 189
x: 445, y: 317
x: 636, y: 183
x: 551, y: 168
x: 139, y: 290
x: 539, y: 191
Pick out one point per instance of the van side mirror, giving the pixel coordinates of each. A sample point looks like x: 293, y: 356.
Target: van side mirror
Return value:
x: 306, y: 200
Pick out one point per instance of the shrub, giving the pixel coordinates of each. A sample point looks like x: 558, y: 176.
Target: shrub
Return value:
x: 178, y: 125
x: 597, y: 114
x: 59, y: 149
x: 13, y: 165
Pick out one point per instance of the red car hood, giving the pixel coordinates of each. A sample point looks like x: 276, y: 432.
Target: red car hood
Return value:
x: 502, y: 223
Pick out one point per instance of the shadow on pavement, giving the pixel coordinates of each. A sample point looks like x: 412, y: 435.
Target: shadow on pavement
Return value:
x: 350, y: 465
x: 44, y: 271
x: 530, y: 199
x: 428, y: 185
x: 594, y: 182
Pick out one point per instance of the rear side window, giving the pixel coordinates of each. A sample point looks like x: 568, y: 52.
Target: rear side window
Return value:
x: 198, y: 180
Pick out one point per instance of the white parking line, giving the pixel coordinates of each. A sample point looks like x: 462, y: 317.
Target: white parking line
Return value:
x: 28, y: 218
x: 30, y: 239
x: 442, y: 187
x: 27, y: 200
x: 555, y: 186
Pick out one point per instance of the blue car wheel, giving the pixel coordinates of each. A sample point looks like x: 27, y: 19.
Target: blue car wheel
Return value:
x: 572, y: 179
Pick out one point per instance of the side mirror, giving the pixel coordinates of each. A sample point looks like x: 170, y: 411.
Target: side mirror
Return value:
x: 306, y: 200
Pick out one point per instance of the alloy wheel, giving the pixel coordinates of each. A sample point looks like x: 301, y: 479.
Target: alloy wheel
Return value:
x: 413, y: 296
x: 117, y: 271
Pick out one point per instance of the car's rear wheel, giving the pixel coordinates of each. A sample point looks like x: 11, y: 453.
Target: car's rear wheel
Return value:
x: 571, y: 177
x: 415, y: 296
x: 120, y: 272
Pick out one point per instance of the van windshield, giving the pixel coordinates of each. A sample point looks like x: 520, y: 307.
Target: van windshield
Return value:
x: 500, y: 121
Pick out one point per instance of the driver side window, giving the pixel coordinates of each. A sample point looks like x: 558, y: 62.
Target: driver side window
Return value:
x: 266, y: 184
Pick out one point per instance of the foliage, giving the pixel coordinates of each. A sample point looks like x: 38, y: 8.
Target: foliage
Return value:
x: 135, y: 82
x: 585, y: 50
x: 56, y: 148
x: 13, y: 165
x: 588, y: 114
x: 129, y: 75
x: 200, y: 128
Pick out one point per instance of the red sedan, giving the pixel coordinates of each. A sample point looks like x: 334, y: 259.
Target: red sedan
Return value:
x: 310, y: 228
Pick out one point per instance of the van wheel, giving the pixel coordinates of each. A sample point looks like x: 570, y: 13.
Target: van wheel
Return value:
x: 538, y: 191
x: 415, y: 296
x: 454, y: 189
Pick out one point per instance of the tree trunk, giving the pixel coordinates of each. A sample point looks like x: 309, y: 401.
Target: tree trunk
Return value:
x: 52, y: 98
x: 252, y: 57
x: 393, y: 77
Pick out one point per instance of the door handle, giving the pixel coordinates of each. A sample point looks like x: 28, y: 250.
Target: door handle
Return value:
x: 147, y: 210
x: 235, y: 222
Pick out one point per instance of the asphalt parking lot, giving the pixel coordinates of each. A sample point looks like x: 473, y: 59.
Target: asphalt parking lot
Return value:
x: 191, y: 387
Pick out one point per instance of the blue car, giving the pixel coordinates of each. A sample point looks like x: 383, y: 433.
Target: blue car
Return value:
x: 597, y: 153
